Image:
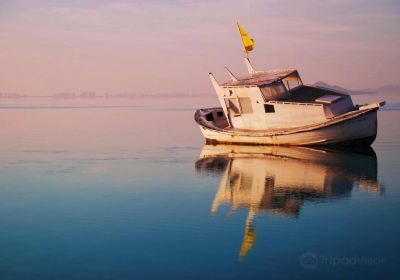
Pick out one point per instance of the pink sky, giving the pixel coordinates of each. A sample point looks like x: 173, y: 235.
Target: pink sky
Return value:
x: 170, y: 46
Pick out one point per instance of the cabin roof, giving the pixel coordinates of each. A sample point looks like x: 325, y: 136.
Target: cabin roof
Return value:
x: 260, y: 78
x: 309, y: 94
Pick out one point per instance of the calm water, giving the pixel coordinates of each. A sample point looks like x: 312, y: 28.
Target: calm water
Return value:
x: 125, y: 189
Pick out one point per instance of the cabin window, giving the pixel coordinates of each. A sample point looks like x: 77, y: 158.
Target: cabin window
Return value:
x: 233, y: 106
x: 220, y: 114
x: 273, y: 91
x: 269, y: 108
x: 245, y: 105
x: 209, y: 117
x: 291, y: 82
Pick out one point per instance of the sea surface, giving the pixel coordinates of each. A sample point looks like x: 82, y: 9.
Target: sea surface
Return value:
x: 101, y: 188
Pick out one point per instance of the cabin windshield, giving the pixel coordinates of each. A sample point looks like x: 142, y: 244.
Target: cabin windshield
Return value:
x: 274, y: 91
x: 292, y: 81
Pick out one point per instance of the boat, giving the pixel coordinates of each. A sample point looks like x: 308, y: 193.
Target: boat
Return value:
x: 274, y: 107
x: 279, y: 180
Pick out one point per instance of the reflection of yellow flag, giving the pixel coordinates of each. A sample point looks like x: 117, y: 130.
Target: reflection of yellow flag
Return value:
x: 248, y: 242
x: 248, y: 42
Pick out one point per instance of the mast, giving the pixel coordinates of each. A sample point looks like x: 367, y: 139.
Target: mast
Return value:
x: 249, y: 66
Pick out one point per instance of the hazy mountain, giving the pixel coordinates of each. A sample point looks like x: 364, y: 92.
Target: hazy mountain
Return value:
x: 386, y: 89
x: 322, y: 84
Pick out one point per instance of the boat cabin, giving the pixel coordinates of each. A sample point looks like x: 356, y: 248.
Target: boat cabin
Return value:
x: 276, y: 99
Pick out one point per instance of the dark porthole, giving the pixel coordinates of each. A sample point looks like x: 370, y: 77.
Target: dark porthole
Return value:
x: 220, y: 114
x: 269, y: 108
x: 209, y: 117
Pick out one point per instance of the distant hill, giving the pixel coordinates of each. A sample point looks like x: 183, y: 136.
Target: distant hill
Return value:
x: 386, y: 89
x: 341, y: 89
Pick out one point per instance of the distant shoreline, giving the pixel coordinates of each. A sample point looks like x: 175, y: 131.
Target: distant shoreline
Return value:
x: 385, y: 89
x: 107, y: 96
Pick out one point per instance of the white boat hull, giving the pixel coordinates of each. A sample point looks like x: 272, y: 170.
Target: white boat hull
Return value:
x: 358, y: 127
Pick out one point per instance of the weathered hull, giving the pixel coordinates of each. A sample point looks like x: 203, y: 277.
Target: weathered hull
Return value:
x: 353, y: 129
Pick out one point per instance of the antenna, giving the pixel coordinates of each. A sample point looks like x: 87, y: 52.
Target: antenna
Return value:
x: 231, y: 75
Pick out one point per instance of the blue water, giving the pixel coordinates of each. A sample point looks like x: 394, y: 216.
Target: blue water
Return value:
x: 126, y: 192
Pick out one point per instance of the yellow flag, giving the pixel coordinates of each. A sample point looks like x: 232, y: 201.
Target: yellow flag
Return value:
x: 248, y: 42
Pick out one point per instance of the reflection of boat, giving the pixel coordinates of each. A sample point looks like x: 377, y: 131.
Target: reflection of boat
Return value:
x: 279, y: 179
x: 274, y: 108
